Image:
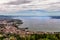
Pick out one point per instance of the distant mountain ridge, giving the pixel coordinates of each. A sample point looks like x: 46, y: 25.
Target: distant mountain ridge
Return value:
x: 5, y: 17
x: 55, y: 17
x: 10, y: 17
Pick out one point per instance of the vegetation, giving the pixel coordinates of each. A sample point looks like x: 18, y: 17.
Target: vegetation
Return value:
x: 12, y: 36
x: 15, y: 22
x: 30, y: 37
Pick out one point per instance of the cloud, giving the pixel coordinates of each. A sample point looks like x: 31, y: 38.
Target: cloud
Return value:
x: 19, y: 5
x: 5, y: 1
x: 18, y: 2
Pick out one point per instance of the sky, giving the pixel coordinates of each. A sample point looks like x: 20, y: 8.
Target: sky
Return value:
x: 30, y: 7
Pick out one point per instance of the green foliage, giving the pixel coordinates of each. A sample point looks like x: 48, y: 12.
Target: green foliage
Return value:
x: 30, y: 37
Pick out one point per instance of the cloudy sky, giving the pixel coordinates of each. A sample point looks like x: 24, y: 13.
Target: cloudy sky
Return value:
x: 30, y: 7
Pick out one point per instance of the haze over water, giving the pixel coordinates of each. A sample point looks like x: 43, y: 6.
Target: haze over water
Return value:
x: 40, y: 23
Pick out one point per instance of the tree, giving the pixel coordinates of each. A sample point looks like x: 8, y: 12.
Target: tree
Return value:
x: 15, y: 22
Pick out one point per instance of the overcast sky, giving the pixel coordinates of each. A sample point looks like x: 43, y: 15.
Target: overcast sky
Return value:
x: 30, y: 7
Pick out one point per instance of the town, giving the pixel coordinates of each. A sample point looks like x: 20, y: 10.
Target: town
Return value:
x: 9, y: 30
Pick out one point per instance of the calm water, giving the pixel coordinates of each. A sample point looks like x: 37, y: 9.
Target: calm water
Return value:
x: 40, y: 23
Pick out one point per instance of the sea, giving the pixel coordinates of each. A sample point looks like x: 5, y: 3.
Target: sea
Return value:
x: 40, y: 23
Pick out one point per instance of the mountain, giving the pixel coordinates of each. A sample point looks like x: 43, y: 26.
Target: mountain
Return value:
x: 55, y: 17
x: 5, y: 17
